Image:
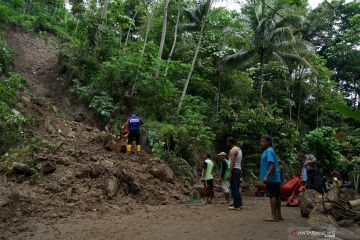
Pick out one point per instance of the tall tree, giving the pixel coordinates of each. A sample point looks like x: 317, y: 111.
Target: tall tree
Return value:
x: 103, y: 18
x: 152, y: 8
x: 163, y: 34
x: 198, y: 17
x: 175, y: 37
x: 273, y: 39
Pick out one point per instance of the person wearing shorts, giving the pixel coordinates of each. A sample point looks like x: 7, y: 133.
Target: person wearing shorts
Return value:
x: 270, y: 176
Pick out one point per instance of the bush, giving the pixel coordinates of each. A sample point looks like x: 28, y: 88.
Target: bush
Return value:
x: 12, y: 120
x: 322, y: 143
x: 6, y: 57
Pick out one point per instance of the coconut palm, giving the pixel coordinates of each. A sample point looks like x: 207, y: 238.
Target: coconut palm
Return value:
x: 273, y: 39
x: 197, y: 17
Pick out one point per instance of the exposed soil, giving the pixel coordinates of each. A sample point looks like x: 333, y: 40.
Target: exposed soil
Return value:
x: 82, y: 176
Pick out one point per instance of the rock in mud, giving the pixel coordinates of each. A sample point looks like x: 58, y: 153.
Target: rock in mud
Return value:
x: 41, y: 158
x: 92, y: 171
x: 307, y: 202
x: 195, y: 195
x: 199, y: 189
x: 111, y: 186
x: 162, y: 172
x: 48, y: 167
x: 127, y: 181
x: 63, y: 161
x: 21, y: 169
x: 347, y: 223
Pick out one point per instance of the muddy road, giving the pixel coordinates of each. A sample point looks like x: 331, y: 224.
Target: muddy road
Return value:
x: 173, y: 222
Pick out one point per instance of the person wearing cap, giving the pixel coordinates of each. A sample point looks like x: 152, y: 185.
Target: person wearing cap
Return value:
x: 270, y: 176
x: 224, y: 175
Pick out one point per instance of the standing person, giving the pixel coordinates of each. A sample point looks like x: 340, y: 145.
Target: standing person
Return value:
x: 309, y: 167
x: 224, y: 175
x: 208, y: 178
x: 270, y: 176
x: 134, y: 123
x: 235, y: 173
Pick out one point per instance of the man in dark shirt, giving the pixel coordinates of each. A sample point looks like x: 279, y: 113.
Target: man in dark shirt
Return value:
x: 134, y: 122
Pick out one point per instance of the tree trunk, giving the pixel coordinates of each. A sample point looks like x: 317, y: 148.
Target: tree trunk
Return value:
x: 27, y: 6
x: 175, y: 39
x: 103, y: 17
x: 77, y: 26
x: 120, y: 37
x: 162, y: 40
x: 299, y: 105
x: 129, y: 31
x: 289, y: 93
x: 262, y: 60
x: 152, y: 11
x: 192, y: 66
x: 300, y: 93
x: 218, y: 96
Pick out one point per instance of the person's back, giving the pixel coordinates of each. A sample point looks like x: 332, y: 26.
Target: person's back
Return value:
x: 208, y: 178
x: 134, y: 122
x: 208, y: 171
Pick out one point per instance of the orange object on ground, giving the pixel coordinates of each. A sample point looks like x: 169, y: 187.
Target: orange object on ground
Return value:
x: 288, y: 188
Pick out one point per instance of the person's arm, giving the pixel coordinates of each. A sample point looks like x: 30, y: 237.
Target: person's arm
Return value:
x: 141, y: 121
x: 271, y: 158
x: 269, y: 173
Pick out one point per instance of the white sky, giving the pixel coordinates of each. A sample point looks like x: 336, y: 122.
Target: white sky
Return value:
x: 235, y: 4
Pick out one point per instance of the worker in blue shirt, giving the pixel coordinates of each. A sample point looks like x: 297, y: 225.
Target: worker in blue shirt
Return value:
x: 134, y: 122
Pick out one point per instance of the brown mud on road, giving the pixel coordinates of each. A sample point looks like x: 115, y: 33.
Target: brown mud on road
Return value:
x: 173, y: 222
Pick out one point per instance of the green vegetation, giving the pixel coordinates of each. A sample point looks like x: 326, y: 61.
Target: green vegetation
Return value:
x: 269, y: 67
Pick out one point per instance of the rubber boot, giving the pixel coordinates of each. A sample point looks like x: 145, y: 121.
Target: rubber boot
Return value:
x: 138, y: 148
x: 128, y: 148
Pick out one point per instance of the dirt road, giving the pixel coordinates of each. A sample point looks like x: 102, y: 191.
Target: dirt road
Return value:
x: 173, y: 222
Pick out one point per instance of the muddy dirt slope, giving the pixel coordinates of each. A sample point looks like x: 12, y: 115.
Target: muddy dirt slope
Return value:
x: 81, y: 176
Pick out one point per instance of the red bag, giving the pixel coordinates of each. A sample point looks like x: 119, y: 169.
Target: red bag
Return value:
x: 287, y: 189
x: 294, y: 201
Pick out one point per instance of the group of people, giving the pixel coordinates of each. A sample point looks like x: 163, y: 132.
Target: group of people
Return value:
x: 229, y: 177
x: 230, y: 174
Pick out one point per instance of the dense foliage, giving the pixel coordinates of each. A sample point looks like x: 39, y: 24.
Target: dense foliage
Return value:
x: 269, y: 67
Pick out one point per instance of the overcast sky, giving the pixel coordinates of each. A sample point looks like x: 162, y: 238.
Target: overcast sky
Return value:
x: 233, y: 5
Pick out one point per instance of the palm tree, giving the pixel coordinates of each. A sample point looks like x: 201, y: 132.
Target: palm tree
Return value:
x: 273, y: 39
x: 197, y: 17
